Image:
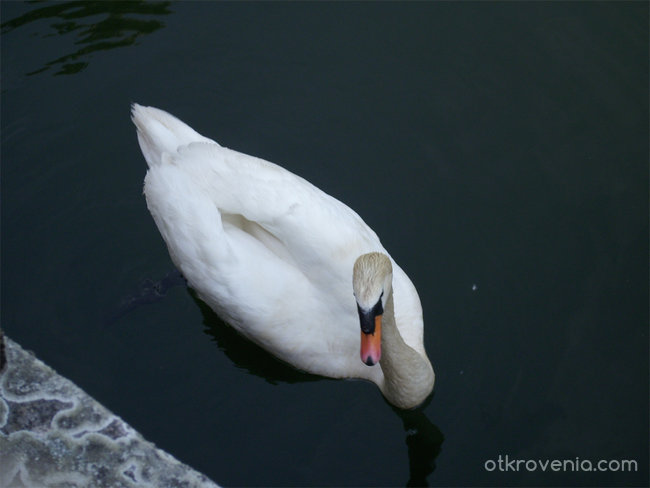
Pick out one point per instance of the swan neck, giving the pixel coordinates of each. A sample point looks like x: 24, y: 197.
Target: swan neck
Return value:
x: 408, y: 375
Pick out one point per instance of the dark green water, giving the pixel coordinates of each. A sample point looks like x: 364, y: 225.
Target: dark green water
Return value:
x: 500, y: 151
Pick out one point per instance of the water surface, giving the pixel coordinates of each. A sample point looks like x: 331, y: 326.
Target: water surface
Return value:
x: 500, y: 151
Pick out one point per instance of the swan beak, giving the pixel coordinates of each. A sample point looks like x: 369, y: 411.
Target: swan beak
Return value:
x: 371, y: 343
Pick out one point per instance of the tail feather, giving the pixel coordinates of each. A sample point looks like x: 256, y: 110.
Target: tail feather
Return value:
x: 161, y: 133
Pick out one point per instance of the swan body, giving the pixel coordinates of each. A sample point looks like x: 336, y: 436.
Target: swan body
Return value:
x: 288, y: 266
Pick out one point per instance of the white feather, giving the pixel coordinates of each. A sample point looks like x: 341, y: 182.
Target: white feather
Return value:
x: 268, y: 251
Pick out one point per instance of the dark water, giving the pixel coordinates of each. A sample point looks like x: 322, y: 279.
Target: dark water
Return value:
x: 500, y: 150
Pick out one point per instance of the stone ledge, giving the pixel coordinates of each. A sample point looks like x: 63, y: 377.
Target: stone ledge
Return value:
x: 52, y: 434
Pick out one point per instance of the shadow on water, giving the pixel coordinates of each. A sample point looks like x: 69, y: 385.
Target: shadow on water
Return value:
x: 246, y: 354
x: 117, y: 28
x: 424, y: 441
x: 423, y: 438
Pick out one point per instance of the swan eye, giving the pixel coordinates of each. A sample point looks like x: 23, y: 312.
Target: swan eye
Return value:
x: 378, y: 309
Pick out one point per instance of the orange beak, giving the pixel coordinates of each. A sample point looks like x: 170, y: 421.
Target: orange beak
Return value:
x: 371, y: 344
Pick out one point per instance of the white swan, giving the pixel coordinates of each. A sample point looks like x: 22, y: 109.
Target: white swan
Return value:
x: 282, y: 261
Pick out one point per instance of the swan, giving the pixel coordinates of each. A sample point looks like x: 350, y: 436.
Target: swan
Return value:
x: 288, y: 266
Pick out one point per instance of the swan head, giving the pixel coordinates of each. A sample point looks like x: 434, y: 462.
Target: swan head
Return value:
x: 372, y: 279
